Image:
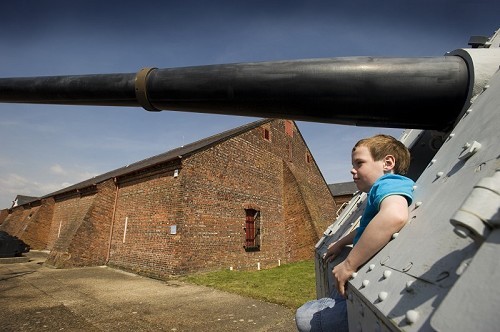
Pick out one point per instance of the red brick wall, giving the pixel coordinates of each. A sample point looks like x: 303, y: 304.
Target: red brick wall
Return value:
x: 3, y: 215
x: 207, y: 201
x: 80, y: 228
x: 31, y: 223
x: 309, y: 205
x: 12, y: 223
x: 301, y: 234
x: 36, y: 233
x: 18, y: 219
x: 218, y: 183
x: 273, y: 173
x: 69, y: 214
x: 89, y: 245
x: 147, y: 207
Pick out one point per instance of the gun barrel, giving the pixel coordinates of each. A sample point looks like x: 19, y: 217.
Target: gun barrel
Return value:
x: 426, y: 93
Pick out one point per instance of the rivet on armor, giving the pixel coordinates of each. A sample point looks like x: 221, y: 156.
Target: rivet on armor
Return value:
x: 409, y: 286
x: 365, y: 282
x: 371, y: 267
x: 411, y: 316
x: 382, y: 296
x: 387, y: 274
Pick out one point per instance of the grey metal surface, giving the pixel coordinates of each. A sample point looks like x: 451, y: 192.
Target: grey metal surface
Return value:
x: 439, y: 272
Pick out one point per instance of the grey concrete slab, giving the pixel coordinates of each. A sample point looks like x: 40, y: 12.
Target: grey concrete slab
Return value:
x: 34, y: 297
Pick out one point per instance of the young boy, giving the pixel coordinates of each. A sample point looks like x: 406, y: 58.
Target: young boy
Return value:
x: 378, y: 165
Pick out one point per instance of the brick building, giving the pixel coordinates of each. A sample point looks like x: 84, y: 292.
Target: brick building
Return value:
x: 246, y: 197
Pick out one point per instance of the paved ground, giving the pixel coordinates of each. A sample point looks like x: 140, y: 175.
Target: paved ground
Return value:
x: 38, y: 298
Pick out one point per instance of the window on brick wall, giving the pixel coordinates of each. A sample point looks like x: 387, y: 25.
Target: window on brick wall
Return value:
x: 266, y: 134
x: 252, y: 230
x: 308, y: 158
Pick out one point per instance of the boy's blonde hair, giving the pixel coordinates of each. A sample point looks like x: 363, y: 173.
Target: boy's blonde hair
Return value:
x: 383, y: 145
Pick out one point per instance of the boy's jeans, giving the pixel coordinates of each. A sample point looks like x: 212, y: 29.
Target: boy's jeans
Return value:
x: 326, y: 314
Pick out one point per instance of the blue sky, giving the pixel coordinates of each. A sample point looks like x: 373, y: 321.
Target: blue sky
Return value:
x: 44, y: 148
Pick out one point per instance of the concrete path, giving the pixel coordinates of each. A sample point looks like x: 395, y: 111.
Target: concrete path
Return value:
x: 38, y: 298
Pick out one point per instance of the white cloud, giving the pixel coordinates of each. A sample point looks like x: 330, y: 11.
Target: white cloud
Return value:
x: 13, y: 184
x: 57, y: 169
x: 12, y: 180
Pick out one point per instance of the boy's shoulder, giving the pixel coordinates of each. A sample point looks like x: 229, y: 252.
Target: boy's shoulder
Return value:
x: 392, y: 184
x: 393, y: 179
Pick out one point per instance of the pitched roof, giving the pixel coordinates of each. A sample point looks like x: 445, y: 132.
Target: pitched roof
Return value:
x: 177, y: 153
x: 343, y: 188
x: 22, y: 199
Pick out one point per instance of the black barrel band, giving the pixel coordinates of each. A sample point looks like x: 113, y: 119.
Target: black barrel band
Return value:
x: 141, y: 92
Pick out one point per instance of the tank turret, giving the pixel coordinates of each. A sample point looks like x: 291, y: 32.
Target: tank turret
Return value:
x: 440, y: 272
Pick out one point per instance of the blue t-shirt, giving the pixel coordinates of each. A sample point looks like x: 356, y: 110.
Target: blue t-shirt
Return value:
x: 386, y: 185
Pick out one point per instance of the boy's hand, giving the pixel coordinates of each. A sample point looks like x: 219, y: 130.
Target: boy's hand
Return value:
x: 342, y: 273
x: 333, y: 251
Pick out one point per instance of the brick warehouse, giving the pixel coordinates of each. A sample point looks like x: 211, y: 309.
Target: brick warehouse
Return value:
x: 251, y: 196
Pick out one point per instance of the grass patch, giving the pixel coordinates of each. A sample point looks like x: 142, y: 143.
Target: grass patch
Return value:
x: 290, y: 285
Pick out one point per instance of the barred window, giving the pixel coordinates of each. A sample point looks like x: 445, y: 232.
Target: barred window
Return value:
x: 266, y: 134
x: 252, y: 230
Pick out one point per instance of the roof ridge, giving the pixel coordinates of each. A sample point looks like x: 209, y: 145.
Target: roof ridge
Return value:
x: 172, y: 154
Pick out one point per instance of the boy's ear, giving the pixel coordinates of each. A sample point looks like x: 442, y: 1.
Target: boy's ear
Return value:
x: 389, y: 163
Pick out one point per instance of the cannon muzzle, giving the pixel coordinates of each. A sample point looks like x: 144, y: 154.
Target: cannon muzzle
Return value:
x: 426, y: 93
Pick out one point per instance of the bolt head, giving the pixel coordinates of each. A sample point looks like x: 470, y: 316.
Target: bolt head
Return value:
x: 412, y: 316
x: 382, y: 296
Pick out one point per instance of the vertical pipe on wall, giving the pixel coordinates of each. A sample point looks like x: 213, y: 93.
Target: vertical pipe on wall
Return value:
x: 112, y: 221
x: 125, y: 230
x: 59, y: 231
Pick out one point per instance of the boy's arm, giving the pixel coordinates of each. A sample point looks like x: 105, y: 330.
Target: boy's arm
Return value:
x: 335, y: 248
x: 391, y: 217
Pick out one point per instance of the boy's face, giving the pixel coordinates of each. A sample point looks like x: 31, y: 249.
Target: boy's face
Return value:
x: 365, y: 171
